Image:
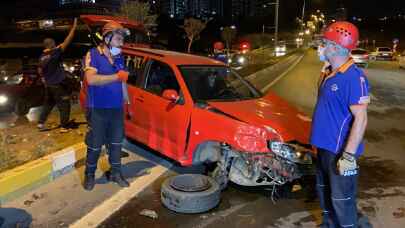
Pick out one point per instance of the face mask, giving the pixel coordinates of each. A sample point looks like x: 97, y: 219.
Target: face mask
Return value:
x: 321, y: 54
x: 115, y: 51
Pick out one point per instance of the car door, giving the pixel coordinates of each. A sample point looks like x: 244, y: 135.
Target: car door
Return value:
x: 165, y: 121
x: 134, y: 113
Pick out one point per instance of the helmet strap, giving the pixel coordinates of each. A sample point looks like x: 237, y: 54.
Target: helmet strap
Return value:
x: 108, y: 38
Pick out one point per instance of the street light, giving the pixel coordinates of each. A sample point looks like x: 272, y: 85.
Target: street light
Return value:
x: 277, y: 3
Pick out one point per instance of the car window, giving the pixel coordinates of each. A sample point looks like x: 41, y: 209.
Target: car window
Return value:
x: 160, y: 78
x: 384, y: 49
x: 359, y: 52
x: 135, y: 66
x: 216, y: 83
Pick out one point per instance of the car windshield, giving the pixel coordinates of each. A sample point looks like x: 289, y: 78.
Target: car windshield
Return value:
x: 359, y: 52
x: 384, y: 49
x: 216, y: 83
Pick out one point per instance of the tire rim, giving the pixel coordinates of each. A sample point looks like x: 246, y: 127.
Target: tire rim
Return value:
x: 190, y: 183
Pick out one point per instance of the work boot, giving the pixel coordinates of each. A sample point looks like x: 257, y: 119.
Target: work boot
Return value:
x: 118, y: 178
x: 89, y: 182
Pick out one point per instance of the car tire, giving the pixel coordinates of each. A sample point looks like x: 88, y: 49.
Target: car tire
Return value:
x: 190, y: 202
x: 21, y: 108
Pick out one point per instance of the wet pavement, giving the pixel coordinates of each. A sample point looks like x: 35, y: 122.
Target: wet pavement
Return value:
x: 382, y: 169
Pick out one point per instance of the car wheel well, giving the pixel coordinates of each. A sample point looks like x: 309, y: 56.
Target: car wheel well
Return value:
x: 207, y: 152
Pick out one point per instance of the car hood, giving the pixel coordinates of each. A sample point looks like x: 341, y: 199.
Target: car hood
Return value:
x: 272, y: 112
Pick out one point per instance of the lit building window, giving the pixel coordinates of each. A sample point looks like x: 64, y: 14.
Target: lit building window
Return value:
x: 65, y: 2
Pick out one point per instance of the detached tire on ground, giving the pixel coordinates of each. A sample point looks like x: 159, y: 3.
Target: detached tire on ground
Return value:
x: 190, y: 193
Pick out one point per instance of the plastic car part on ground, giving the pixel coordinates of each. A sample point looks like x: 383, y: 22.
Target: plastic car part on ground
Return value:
x: 190, y: 193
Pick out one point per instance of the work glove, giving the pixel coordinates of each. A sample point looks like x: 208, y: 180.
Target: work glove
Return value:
x: 122, y: 75
x: 347, y: 165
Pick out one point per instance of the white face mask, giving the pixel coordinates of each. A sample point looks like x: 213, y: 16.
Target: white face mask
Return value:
x: 115, y: 51
x: 321, y: 54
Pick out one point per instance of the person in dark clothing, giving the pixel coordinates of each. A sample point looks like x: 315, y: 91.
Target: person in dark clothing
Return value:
x: 57, y: 91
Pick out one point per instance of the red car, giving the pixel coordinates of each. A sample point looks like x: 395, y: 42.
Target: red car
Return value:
x: 196, y: 110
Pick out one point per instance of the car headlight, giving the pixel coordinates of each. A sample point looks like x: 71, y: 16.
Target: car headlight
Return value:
x: 241, y: 60
x: 13, y: 79
x: 229, y: 60
x: 3, y: 99
x: 288, y: 152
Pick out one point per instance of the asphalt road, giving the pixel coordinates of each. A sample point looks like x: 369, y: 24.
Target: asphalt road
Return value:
x: 382, y: 181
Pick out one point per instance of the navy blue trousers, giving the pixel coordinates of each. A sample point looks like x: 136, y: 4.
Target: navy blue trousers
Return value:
x: 106, y: 127
x: 337, y: 194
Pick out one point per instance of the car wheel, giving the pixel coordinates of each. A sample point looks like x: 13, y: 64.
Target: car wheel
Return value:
x: 190, y: 193
x: 21, y: 108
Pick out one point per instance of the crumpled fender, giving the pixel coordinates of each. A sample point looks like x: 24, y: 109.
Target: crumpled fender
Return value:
x: 239, y: 135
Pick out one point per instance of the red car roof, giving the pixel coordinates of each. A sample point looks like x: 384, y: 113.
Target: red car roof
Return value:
x: 102, y: 19
x: 178, y: 58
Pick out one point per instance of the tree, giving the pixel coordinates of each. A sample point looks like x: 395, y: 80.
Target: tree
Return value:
x: 228, y: 34
x: 138, y: 11
x: 193, y: 27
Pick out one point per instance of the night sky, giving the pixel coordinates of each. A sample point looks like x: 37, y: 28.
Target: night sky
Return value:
x: 371, y: 8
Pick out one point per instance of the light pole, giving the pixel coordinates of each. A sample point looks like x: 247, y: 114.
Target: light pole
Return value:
x: 277, y: 3
x: 276, y: 25
x: 303, y: 11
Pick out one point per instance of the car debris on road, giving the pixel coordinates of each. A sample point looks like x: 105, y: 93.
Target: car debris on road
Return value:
x: 149, y: 213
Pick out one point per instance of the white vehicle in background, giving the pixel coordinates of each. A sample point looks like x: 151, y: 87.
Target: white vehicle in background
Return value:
x: 401, y: 60
x: 281, y: 49
x: 360, y: 57
x: 382, y: 53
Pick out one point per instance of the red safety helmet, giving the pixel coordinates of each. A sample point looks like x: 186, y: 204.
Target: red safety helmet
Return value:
x: 114, y: 27
x: 343, y: 33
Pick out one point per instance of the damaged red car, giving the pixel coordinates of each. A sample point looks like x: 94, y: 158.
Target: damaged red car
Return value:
x: 196, y: 110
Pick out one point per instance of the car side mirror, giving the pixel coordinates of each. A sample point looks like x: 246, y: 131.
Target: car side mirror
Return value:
x: 171, y: 95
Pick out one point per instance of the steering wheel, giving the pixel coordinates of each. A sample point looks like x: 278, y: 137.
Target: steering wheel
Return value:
x: 227, y: 91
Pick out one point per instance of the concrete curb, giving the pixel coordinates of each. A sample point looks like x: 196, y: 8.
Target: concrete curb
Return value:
x: 22, y: 179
